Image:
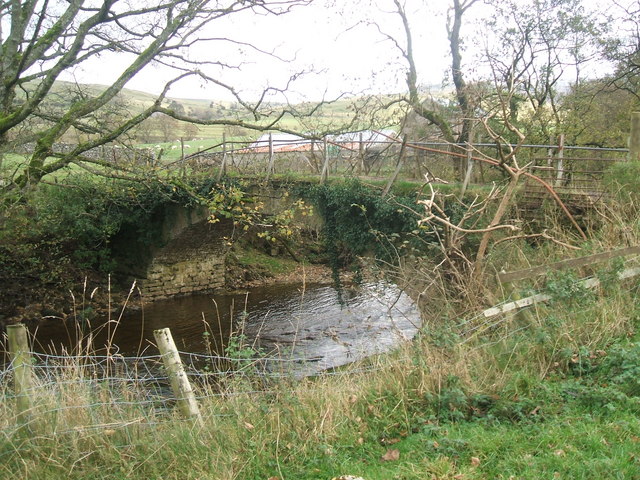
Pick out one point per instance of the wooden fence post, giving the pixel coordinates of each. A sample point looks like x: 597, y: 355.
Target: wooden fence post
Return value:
x: 467, y: 176
x: 182, y: 165
x: 634, y: 139
x: 509, y: 289
x: 180, y: 385
x: 223, y: 165
x: 560, y: 161
x: 270, y: 167
x: 22, y: 364
x: 325, y: 164
x: 396, y: 172
x: 361, y: 153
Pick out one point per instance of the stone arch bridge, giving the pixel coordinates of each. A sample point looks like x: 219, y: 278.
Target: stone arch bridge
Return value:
x: 191, y: 252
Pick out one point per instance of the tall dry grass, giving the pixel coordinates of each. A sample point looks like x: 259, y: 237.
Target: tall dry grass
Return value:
x: 252, y: 428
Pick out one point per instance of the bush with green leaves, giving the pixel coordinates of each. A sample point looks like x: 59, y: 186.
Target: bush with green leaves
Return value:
x: 566, y: 287
x: 357, y: 220
x: 621, y: 367
x: 623, y: 179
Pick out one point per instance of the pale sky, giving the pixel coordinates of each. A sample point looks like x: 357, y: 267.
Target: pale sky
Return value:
x: 334, y: 43
x: 333, y: 39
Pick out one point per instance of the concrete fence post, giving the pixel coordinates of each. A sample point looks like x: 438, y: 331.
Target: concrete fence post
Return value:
x: 22, y: 365
x: 180, y: 385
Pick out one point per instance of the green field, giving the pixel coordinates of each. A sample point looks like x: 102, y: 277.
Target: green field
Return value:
x: 330, y: 116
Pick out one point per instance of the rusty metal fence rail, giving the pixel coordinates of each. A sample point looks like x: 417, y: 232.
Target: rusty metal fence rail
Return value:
x: 568, y: 167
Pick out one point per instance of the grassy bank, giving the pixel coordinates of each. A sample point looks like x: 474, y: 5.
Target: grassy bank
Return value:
x: 551, y: 394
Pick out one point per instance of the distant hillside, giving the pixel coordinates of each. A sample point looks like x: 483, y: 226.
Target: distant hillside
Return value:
x: 330, y: 116
x: 136, y: 99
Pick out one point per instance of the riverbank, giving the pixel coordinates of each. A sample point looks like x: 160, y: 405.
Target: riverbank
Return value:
x: 553, y: 394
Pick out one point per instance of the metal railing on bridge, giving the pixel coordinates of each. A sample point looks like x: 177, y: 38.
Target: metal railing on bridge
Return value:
x: 569, y: 168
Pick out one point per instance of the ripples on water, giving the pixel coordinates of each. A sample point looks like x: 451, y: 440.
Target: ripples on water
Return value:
x: 314, y: 328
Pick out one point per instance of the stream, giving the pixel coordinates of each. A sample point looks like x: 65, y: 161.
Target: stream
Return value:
x: 308, y: 330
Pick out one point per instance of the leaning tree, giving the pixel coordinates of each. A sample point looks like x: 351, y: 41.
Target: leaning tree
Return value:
x: 44, y: 41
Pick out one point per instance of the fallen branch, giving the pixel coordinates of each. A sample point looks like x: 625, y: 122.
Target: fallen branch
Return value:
x: 465, y: 230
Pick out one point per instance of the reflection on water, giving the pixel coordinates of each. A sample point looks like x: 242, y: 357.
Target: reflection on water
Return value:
x: 323, y: 330
x: 315, y: 325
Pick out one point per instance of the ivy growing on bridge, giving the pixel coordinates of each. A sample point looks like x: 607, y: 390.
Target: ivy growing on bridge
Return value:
x: 358, y: 221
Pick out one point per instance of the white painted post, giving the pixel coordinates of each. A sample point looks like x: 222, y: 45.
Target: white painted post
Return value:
x: 22, y: 364
x: 180, y: 385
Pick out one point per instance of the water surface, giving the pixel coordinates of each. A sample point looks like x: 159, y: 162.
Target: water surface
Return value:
x: 311, y: 328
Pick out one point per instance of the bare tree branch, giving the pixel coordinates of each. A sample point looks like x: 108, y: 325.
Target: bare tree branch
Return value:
x: 42, y: 39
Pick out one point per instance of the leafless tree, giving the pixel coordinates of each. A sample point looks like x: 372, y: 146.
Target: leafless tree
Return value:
x: 538, y: 49
x: 623, y: 47
x: 407, y: 49
x: 453, y: 130
x: 536, y: 45
x: 44, y: 40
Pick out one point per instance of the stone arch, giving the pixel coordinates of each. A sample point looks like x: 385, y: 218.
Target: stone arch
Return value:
x: 192, y: 260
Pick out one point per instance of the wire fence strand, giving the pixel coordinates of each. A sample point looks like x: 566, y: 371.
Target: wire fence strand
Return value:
x: 93, y: 392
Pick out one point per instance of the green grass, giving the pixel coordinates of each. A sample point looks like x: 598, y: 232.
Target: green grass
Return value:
x: 274, y: 265
x: 317, y: 431
x: 574, y: 448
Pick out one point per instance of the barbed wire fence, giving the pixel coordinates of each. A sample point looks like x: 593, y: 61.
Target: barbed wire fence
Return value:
x: 57, y: 395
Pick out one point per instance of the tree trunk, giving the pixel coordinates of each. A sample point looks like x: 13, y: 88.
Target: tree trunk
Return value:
x: 462, y: 95
x: 497, y: 218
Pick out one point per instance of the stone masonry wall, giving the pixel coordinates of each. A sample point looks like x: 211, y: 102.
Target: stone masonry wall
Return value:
x: 193, y: 259
x: 194, y: 262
